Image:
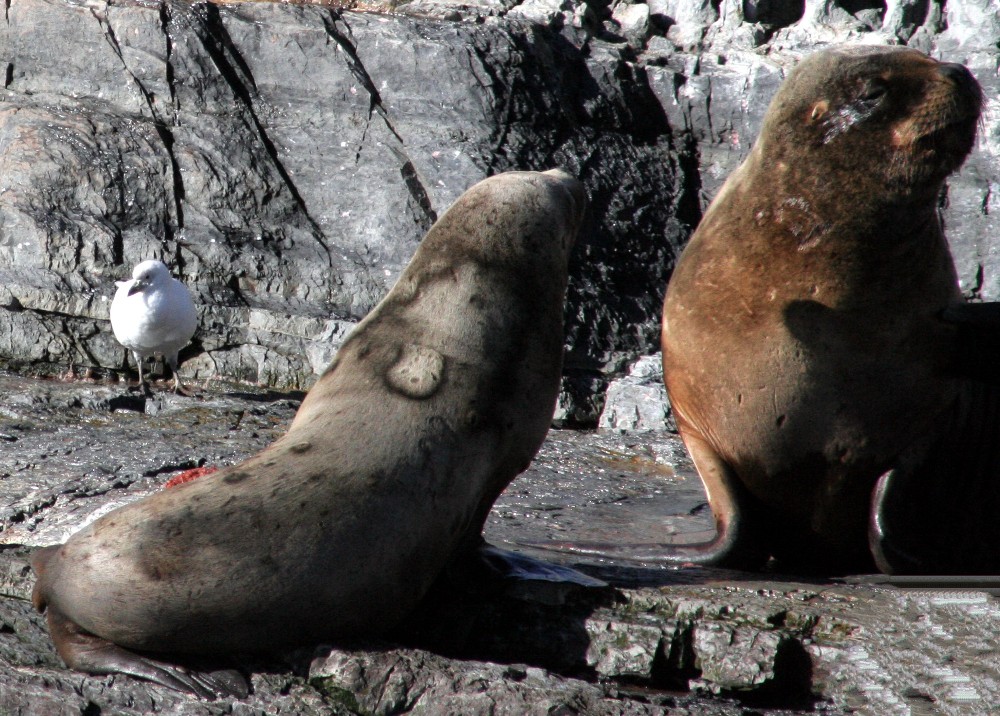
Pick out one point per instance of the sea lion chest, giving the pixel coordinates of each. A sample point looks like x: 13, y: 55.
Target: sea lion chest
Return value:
x: 806, y: 357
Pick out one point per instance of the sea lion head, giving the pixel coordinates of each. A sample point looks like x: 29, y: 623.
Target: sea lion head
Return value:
x: 525, y: 221
x: 889, y: 115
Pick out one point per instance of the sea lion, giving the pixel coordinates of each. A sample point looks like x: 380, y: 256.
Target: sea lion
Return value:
x: 438, y: 398
x: 806, y: 350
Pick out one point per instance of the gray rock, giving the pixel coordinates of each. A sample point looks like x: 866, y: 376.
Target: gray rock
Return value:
x: 405, y: 681
x: 638, y: 401
x: 285, y: 162
x: 686, y: 21
x: 544, y: 12
x: 633, y: 22
x: 733, y: 658
x: 622, y: 650
x: 904, y: 17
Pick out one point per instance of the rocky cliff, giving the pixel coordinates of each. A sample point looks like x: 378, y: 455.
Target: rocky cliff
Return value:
x: 285, y: 160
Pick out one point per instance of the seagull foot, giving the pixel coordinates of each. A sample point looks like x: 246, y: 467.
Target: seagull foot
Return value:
x: 141, y: 387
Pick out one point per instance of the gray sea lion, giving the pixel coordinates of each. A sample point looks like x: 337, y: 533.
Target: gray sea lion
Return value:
x: 439, y: 397
x: 805, y: 348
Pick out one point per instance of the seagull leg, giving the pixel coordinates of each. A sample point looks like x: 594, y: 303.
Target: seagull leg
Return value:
x: 142, y: 386
x: 178, y: 387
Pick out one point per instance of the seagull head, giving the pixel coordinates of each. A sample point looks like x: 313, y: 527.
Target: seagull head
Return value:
x: 148, y: 273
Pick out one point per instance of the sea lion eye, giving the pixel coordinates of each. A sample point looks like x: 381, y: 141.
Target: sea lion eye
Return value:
x: 872, y: 90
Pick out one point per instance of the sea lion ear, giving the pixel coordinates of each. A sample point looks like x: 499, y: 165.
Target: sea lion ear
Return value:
x: 819, y: 110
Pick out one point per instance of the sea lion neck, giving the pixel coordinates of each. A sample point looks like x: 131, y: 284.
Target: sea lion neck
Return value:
x: 779, y: 186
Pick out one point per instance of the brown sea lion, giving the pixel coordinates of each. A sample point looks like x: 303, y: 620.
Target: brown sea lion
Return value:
x: 439, y: 397
x: 804, y: 348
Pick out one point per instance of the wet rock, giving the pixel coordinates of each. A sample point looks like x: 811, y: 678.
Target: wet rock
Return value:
x: 63, y: 474
x: 658, y: 640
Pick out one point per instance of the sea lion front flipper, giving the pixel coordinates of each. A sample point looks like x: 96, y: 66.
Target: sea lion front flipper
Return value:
x: 889, y: 549
x: 91, y: 654
x: 505, y: 564
x: 936, y: 511
x: 976, y: 352
x: 738, y: 544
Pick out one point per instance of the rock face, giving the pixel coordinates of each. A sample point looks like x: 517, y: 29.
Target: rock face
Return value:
x: 285, y: 160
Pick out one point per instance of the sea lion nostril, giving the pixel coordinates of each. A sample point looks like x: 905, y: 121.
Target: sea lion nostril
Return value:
x: 960, y: 75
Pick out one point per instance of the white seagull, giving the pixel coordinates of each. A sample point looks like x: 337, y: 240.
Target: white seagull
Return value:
x: 153, y: 315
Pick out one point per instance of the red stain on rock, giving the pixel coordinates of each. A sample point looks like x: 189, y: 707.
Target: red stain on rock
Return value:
x: 188, y: 475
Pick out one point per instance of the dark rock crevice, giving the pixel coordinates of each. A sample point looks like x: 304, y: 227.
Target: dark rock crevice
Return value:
x: 501, y: 99
x: 234, y: 70
x: 160, y: 124
x: 165, y: 134
x: 420, y: 200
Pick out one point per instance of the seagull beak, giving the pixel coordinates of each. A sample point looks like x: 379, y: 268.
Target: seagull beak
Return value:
x: 137, y: 286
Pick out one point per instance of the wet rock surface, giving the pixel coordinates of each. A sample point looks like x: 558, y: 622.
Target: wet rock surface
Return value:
x: 656, y: 640
x: 286, y: 159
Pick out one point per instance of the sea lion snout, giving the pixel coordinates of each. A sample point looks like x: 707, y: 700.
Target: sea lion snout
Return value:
x: 963, y: 80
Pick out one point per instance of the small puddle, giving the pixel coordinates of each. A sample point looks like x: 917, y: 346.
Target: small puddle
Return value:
x: 603, y: 487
